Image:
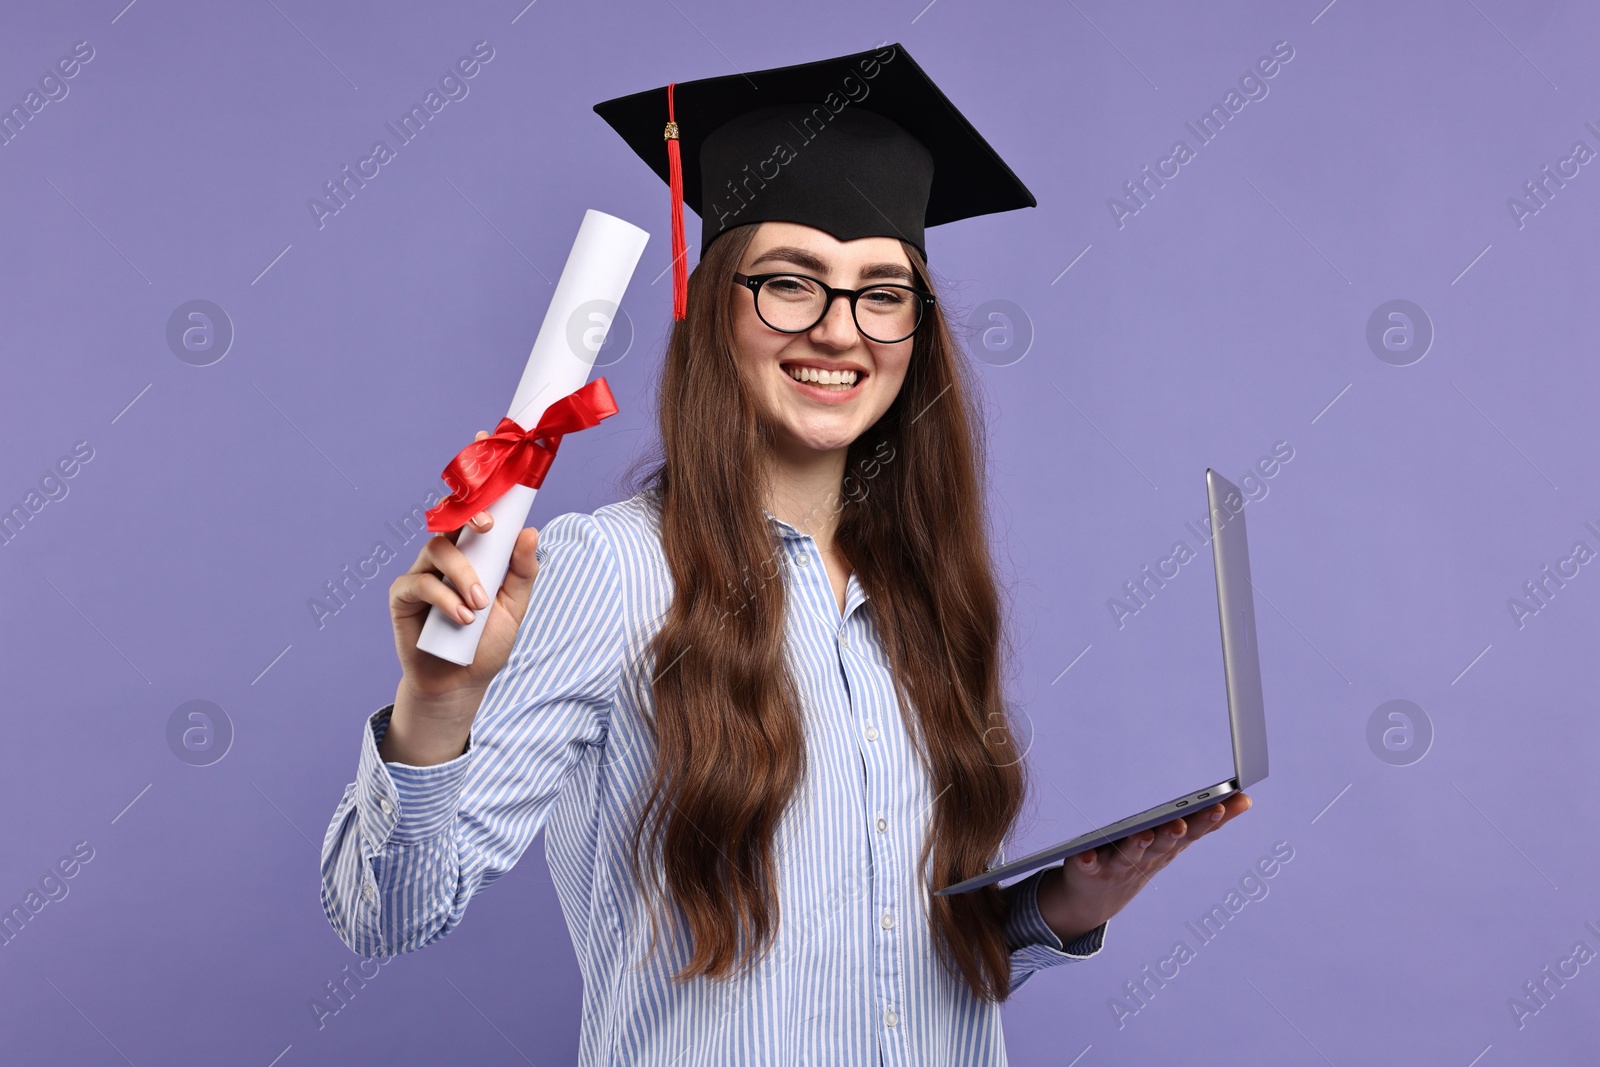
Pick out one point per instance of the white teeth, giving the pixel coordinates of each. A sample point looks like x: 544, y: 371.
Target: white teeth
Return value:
x: 843, y: 378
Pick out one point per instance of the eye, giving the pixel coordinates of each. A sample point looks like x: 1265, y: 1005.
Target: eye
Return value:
x: 791, y: 287
x: 884, y: 299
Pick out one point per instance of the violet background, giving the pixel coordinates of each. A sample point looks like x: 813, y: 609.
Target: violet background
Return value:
x: 1228, y: 314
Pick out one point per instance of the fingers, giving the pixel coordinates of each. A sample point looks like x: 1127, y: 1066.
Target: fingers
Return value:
x: 1170, y: 835
x: 440, y: 576
x: 1233, y: 807
x: 413, y: 592
x: 1205, y: 820
x: 1127, y: 851
x: 1148, y: 851
x: 1087, y: 862
x: 1225, y: 811
x: 1199, y: 824
x: 440, y: 554
x: 1130, y: 851
x: 1135, y: 849
x: 520, y: 572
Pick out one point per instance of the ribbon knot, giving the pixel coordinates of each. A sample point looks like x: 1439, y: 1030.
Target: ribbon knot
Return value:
x: 482, y: 472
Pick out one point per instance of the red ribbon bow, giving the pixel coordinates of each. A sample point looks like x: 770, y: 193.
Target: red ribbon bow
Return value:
x: 482, y: 472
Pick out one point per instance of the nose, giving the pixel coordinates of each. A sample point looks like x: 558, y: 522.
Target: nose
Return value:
x: 837, y: 328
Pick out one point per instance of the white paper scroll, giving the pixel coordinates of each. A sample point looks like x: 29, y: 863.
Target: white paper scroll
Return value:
x: 575, y: 326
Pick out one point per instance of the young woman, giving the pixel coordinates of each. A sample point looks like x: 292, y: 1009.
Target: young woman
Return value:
x: 756, y: 706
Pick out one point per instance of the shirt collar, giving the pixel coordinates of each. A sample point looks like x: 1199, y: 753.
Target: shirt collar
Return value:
x: 857, y: 594
x: 787, y: 529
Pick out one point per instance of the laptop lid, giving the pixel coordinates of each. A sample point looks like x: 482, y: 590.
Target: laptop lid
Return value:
x: 1230, y: 553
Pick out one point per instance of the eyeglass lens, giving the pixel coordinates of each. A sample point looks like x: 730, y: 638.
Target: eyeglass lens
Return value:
x: 794, y: 303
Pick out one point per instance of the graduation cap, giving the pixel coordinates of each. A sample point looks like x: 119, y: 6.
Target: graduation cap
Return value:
x: 863, y: 145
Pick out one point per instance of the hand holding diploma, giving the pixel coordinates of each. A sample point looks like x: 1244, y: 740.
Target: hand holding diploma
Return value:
x: 437, y: 699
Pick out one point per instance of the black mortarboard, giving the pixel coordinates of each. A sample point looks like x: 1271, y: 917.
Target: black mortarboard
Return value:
x: 863, y: 145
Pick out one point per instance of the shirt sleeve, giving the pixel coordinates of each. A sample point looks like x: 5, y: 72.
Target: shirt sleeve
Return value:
x: 408, y: 847
x: 1033, y: 944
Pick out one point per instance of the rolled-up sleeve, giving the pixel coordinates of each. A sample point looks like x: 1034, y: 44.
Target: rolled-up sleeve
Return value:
x: 408, y: 847
x: 1033, y: 944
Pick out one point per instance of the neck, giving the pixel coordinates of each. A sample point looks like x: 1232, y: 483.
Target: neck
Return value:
x: 803, y: 489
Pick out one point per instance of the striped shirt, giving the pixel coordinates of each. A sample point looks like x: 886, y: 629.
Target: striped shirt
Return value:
x: 559, y: 744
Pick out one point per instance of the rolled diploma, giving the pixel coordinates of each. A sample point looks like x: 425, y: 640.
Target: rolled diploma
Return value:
x: 575, y: 325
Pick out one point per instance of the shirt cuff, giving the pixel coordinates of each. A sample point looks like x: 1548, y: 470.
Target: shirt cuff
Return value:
x: 1031, y: 937
x: 401, y: 804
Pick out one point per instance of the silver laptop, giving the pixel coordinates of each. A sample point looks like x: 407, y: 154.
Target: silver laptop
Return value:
x: 1230, y: 556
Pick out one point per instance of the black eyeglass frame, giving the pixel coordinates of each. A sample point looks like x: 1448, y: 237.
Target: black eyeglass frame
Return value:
x: 754, y: 282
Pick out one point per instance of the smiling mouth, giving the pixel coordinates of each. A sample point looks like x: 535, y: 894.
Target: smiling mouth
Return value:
x: 828, y: 381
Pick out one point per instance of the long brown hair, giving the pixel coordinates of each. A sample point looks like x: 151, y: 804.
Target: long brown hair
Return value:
x: 730, y: 745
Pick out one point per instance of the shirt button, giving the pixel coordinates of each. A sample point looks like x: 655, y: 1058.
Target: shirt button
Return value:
x: 844, y: 639
x: 872, y: 733
x: 368, y: 893
x: 385, y: 806
x: 887, y: 922
x: 890, y: 1018
x: 802, y: 560
x: 883, y: 824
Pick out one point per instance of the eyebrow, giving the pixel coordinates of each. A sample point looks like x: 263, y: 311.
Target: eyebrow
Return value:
x: 800, y: 257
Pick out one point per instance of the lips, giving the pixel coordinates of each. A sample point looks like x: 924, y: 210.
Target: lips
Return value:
x: 824, y: 392
x: 823, y: 373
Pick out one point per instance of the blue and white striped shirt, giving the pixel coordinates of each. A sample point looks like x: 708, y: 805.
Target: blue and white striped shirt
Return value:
x: 559, y: 744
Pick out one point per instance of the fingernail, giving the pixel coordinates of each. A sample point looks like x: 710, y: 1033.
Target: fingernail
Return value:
x: 464, y: 613
x: 479, y: 597
x: 481, y: 517
x: 1216, y: 815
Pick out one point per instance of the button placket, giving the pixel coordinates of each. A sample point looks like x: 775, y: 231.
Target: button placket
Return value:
x: 887, y: 964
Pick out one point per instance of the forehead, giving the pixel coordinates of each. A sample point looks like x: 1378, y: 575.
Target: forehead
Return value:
x: 837, y: 254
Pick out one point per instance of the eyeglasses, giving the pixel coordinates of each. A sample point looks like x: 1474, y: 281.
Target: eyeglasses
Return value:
x: 795, y: 303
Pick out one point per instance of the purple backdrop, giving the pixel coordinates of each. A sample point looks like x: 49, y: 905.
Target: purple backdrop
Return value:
x: 1370, y: 271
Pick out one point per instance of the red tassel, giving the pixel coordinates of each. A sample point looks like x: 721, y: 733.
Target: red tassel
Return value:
x: 680, y: 250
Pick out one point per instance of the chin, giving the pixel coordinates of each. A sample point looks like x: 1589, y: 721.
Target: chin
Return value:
x: 815, y: 439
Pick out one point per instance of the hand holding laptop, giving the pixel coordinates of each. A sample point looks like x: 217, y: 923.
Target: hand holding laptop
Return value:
x: 1093, y: 886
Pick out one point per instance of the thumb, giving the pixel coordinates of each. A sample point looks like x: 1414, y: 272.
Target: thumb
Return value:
x: 520, y: 572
